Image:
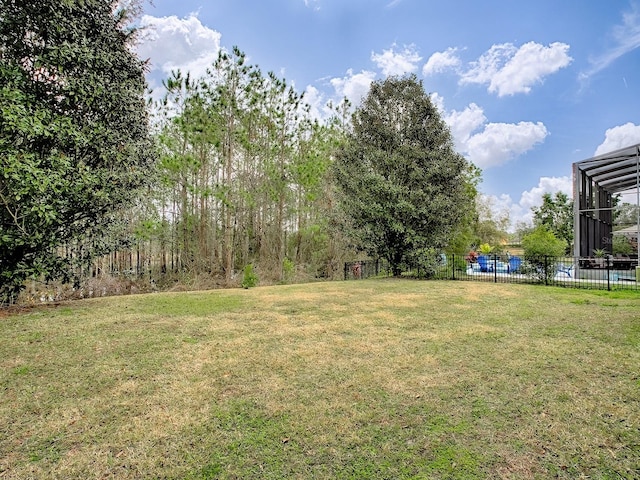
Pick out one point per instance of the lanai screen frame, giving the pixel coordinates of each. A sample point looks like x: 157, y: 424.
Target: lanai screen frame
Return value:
x: 595, y: 181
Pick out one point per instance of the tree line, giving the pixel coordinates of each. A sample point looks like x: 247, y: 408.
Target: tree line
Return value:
x: 224, y: 173
x: 246, y: 176
x: 242, y: 173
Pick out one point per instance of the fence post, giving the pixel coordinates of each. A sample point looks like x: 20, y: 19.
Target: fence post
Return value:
x: 495, y: 268
x: 345, y: 270
x: 546, y: 270
x: 608, y: 274
x: 453, y: 266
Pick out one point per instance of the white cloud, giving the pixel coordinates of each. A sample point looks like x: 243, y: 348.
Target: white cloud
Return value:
x: 353, y: 86
x: 619, y: 137
x: 509, y: 70
x: 490, y: 144
x: 441, y: 61
x: 520, y: 212
x: 626, y: 39
x: 533, y: 198
x: 500, y: 142
x: 489, y: 64
x: 397, y: 63
x: 464, y: 123
x: 178, y: 43
x: 531, y: 63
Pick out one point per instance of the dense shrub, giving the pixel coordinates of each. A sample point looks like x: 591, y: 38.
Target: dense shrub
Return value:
x: 542, y: 243
x: 622, y: 245
x: 249, y: 277
x: 541, y: 250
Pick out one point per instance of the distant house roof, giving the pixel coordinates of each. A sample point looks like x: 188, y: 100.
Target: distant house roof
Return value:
x: 615, y: 171
x: 627, y: 231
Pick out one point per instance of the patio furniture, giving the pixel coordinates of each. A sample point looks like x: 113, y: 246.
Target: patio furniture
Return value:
x: 624, y: 263
x: 485, y: 264
x: 564, y: 271
x: 591, y: 262
x: 514, y: 264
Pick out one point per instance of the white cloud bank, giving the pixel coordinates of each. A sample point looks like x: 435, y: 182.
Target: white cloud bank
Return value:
x: 178, y: 43
x: 619, y: 137
x: 499, y: 143
x: 490, y: 144
x: 393, y: 62
x: 354, y: 86
x: 509, y: 70
x: 440, y: 62
x: 533, y: 198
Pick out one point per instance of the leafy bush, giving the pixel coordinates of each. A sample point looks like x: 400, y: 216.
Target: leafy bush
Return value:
x: 426, y: 262
x: 541, y: 249
x: 622, y: 245
x: 542, y: 243
x: 288, y: 269
x: 249, y: 277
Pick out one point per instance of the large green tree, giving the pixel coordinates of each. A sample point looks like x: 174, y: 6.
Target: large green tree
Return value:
x: 556, y: 214
x: 74, y: 144
x: 403, y: 188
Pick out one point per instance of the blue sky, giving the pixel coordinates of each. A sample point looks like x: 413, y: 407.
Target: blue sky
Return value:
x: 526, y: 87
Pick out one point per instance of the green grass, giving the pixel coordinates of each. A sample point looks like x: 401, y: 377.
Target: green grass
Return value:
x: 349, y: 380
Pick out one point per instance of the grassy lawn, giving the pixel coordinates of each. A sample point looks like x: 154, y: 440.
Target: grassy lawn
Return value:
x: 368, y: 379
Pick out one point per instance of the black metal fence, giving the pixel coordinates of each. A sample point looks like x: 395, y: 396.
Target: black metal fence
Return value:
x: 607, y: 273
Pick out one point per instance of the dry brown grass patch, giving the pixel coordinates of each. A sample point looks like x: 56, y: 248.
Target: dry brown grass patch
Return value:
x: 371, y: 379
